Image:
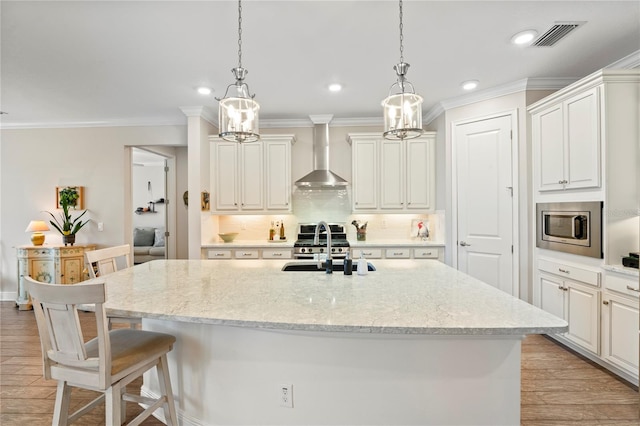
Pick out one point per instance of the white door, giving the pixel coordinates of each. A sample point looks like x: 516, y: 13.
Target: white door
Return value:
x: 365, y: 164
x: 252, y: 177
x: 485, y: 201
x: 551, y: 295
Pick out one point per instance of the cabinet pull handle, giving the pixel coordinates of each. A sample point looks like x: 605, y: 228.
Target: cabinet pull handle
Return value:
x: 564, y: 271
x: 276, y: 254
x: 605, y: 302
x: 464, y: 244
x: 632, y: 289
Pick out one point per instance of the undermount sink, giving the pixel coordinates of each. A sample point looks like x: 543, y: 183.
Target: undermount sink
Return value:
x: 313, y: 266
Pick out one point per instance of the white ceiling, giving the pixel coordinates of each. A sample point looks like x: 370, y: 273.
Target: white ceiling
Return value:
x: 124, y: 62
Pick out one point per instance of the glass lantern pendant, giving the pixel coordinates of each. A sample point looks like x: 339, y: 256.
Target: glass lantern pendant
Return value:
x: 402, y: 108
x: 237, y: 111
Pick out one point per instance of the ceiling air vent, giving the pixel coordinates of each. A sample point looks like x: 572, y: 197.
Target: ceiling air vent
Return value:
x: 557, y: 32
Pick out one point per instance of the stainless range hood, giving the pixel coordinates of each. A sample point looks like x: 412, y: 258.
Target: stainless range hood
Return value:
x: 321, y: 176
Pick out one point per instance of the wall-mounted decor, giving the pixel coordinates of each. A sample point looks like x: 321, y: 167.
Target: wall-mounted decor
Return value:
x: 74, y: 196
x: 204, y: 201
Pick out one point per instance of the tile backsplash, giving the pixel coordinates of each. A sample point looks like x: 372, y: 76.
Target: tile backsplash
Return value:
x: 334, y: 206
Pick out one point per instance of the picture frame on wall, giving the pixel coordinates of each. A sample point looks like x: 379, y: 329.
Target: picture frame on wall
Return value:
x: 79, y: 202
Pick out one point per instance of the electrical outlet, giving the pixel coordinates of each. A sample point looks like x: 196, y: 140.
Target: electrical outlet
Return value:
x: 285, y: 395
x: 100, y: 226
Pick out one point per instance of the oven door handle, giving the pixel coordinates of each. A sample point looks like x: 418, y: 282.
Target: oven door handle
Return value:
x: 579, y: 227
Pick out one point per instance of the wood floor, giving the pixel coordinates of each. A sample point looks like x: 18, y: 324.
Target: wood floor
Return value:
x: 559, y: 388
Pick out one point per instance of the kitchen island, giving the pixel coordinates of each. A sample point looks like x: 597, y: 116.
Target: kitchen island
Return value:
x: 414, y: 342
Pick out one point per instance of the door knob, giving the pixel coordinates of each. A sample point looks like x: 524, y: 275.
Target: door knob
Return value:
x: 464, y: 244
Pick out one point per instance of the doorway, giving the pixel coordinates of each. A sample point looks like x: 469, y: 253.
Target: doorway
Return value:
x: 485, y: 200
x: 152, y: 217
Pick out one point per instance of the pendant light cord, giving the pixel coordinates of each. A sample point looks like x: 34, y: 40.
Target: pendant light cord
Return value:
x: 239, y: 33
x: 401, y: 36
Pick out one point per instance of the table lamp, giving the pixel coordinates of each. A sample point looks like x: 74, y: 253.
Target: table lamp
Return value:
x: 37, y: 227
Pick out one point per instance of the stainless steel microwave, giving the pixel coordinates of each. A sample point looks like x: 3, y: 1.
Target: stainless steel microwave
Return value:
x: 570, y: 227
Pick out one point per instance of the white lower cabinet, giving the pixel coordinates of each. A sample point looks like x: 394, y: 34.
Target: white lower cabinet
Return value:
x: 621, y: 321
x: 398, y: 252
x: 248, y: 253
x: 576, y: 302
x: 620, y: 331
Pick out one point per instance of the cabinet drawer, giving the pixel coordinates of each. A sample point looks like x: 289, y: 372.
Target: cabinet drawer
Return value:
x: 219, y: 254
x: 247, y: 254
x: 622, y: 284
x: 276, y: 254
x: 569, y: 271
x: 403, y: 253
x: 426, y: 253
x: 368, y: 253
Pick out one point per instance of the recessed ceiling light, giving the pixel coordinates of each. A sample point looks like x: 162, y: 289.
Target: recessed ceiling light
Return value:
x: 335, y: 87
x: 204, y: 90
x: 524, y: 37
x: 470, y: 85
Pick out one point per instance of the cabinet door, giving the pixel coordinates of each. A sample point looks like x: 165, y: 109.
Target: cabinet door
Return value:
x: 581, y: 116
x: 365, y: 163
x: 391, y: 175
x: 582, y: 314
x: 252, y: 176
x: 619, y: 331
x: 551, y: 295
x: 43, y: 270
x: 420, y: 186
x: 225, y: 173
x: 277, y: 175
x: 549, y: 137
x: 71, y: 270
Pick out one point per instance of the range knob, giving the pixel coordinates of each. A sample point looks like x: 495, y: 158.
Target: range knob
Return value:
x: 302, y: 250
x: 321, y: 250
x: 310, y: 250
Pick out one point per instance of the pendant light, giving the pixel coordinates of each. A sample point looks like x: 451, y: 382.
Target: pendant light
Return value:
x: 238, y: 112
x: 402, y: 108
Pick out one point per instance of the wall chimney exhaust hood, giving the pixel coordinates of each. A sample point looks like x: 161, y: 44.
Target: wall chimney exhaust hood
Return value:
x: 321, y: 176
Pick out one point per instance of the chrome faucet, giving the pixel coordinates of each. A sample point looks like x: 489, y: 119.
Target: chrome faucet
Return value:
x: 316, y: 241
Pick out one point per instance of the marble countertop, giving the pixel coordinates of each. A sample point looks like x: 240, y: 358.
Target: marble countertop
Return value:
x: 400, y: 297
x: 632, y: 272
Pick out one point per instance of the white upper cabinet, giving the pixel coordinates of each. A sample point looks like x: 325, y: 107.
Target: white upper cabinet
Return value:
x: 393, y: 176
x: 365, y: 173
x: 566, y: 137
x: 278, y: 174
x: 251, y: 177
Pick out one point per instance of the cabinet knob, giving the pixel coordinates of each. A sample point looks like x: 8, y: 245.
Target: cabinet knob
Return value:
x: 564, y: 271
x: 605, y: 302
x: 560, y: 287
x: 464, y: 244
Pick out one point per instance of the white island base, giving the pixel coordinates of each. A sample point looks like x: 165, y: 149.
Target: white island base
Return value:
x: 224, y: 375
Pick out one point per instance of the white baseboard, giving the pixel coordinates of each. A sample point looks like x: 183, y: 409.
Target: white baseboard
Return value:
x: 183, y: 419
x: 6, y: 296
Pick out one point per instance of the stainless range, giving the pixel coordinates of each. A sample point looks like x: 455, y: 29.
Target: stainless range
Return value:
x: 304, y: 247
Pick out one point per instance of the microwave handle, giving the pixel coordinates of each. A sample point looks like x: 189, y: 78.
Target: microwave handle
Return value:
x: 578, y: 226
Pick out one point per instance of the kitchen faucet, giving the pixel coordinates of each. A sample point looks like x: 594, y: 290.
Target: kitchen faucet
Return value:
x: 316, y: 241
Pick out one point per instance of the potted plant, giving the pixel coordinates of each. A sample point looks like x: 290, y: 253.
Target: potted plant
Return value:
x: 67, y: 225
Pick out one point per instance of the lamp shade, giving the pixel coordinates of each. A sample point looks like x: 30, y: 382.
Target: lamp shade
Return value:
x: 37, y: 227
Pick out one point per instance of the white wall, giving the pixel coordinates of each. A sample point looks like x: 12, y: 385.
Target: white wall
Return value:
x: 35, y: 161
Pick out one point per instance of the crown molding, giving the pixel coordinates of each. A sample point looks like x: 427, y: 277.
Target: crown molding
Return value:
x: 201, y: 111
x: 137, y: 122
x: 306, y: 122
x: 628, y: 62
